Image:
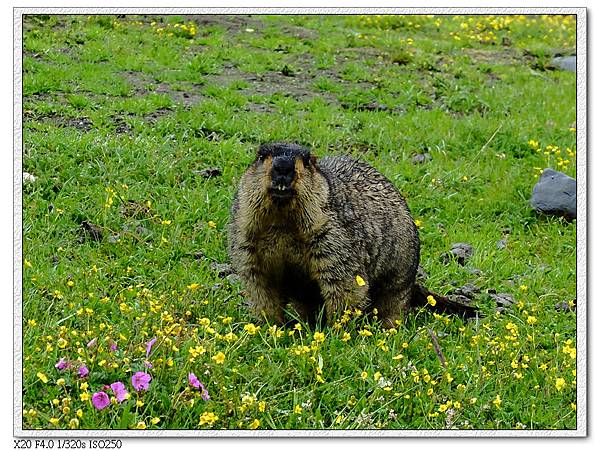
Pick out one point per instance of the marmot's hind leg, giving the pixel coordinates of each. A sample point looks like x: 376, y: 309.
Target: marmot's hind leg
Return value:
x: 392, y: 304
x: 266, y: 302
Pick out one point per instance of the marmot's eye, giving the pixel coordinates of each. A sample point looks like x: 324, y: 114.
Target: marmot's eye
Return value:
x: 262, y: 157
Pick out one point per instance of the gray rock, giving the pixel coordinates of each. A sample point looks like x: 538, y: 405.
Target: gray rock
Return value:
x: 555, y: 194
x: 223, y: 269
x: 209, y: 172
x: 568, y: 63
x: 468, y: 291
x: 421, y: 158
x: 421, y: 274
x: 565, y: 307
x: 459, y: 298
x: 501, y: 244
x: 460, y: 251
x: 502, y: 299
x: 233, y: 279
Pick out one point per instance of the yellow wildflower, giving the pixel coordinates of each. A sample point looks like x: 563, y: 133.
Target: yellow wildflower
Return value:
x: 219, y: 358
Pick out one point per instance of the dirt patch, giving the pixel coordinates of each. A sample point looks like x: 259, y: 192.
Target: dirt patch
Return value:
x: 300, y: 32
x: 504, y: 56
x: 155, y: 115
x: 232, y: 23
x: 190, y: 96
x: 298, y: 85
x: 121, y: 126
x: 83, y: 124
x: 141, y: 83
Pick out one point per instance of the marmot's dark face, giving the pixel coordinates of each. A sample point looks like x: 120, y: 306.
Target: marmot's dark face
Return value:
x: 284, y: 167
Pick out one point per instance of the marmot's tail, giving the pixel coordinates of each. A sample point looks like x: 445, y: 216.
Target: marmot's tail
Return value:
x: 442, y: 303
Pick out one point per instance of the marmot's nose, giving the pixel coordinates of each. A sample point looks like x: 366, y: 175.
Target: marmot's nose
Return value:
x: 282, y: 171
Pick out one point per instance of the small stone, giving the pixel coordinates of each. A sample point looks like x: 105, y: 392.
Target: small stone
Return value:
x: 459, y: 298
x: 460, y: 251
x: 421, y: 158
x: 474, y: 271
x: 28, y: 178
x: 94, y: 231
x: 421, y: 274
x: 555, y: 194
x: 468, y: 291
x: 564, y: 306
x: 568, y: 63
x: 233, y: 279
x: 372, y: 106
x: 114, y: 238
x: 501, y: 244
x: 209, y: 172
x: 142, y: 231
x: 223, y: 269
x: 502, y: 299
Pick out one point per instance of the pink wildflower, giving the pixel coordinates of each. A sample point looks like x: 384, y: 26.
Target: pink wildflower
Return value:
x: 100, y: 400
x: 83, y: 371
x: 149, y: 346
x: 195, y: 382
x: 141, y: 381
x: 119, y: 390
x: 62, y: 364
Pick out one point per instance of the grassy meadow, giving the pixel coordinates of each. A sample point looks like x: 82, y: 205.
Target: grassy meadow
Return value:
x: 137, y: 130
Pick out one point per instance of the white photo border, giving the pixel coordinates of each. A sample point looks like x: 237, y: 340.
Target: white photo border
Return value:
x: 582, y: 335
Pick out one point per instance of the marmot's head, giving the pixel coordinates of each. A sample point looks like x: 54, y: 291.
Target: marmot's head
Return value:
x: 285, y: 171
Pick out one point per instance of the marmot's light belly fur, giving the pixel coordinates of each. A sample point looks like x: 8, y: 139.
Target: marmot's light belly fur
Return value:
x: 301, y: 232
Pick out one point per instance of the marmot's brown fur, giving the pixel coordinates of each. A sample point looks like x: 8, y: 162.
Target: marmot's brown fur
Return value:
x: 334, y: 232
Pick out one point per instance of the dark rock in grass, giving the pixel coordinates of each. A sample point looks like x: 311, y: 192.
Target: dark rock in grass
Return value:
x: 134, y: 209
x: 372, y: 106
x: 113, y: 239
x: 209, y: 172
x: 461, y: 252
x: 223, y: 269
x: 460, y: 298
x: 568, y: 63
x: 564, y: 306
x: 92, y: 230
x: 421, y: 158
x: 143, y: 231
x: 287, y: 71
x: 555, y: 194
x: 503, y: 300
x: 233, y: 279
x: 469, y: 291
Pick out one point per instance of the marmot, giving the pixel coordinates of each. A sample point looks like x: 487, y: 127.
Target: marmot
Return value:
x: 333, y: 232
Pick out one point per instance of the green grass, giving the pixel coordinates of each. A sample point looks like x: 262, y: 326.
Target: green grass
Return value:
x: 120, y: 115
